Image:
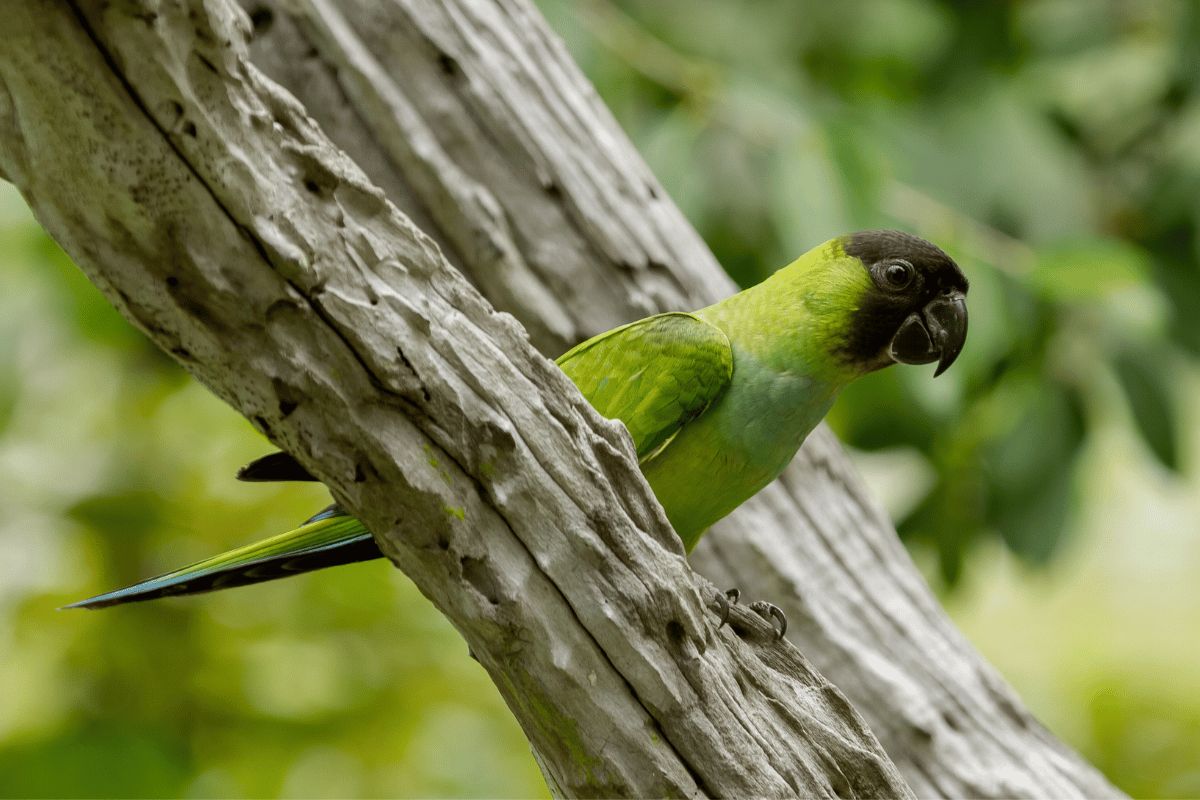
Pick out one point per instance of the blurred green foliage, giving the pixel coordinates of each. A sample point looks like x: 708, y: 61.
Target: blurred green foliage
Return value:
x: 1049, y: 145
x: 1052, y: 146
x: 114, y: 466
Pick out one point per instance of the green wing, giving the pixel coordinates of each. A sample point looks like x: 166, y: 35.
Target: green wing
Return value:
x: 655, y: 375
x: 328, y: 539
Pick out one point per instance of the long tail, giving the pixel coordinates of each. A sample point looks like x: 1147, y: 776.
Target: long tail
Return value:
x: 329, y: 539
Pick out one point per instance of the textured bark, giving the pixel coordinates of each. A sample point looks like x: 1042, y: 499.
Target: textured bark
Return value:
x: 490, y: 107
x: 216, y: 216
x: 230, y: 230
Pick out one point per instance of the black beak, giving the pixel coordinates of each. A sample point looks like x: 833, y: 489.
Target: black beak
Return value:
x: 935, y: 333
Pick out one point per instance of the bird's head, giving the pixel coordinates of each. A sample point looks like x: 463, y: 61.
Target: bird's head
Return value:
x: 913, y: 308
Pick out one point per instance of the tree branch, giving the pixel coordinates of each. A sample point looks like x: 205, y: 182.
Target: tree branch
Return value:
x: 205, y: 204
x: 500, y: 108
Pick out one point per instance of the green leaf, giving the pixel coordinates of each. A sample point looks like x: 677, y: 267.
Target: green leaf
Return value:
x: 875, y: 413
x: 1088, y: 269
x: 1032, y: 471
x: 1179, y: 280
x: 1146, y: 379
x: 1033, y: 523
x: 950, y: 517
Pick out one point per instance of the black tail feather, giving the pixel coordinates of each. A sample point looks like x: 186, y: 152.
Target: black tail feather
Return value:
x: 274, y: 467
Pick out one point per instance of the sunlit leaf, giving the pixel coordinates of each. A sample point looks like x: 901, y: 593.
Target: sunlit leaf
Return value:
x: 1088, y: 269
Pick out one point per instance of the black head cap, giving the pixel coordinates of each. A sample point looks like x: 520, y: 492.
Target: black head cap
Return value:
x: 915, y: 311
x: 876, y: 247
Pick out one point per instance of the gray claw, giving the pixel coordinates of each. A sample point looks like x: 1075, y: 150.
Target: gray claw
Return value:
x: 767, y: 611
x: 725, y: 600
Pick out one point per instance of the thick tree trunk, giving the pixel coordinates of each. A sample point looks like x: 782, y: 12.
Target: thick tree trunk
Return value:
x: 213, y: 212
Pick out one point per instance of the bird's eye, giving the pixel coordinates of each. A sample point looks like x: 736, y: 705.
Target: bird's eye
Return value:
x: 897, y: 274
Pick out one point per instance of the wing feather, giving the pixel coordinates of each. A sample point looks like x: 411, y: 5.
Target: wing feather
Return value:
x: 655, y: 375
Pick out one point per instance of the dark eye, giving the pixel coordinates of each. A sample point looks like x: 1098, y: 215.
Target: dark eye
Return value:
x: 897, y: 274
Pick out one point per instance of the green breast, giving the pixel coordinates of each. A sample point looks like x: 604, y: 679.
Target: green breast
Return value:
x: 738, y: 446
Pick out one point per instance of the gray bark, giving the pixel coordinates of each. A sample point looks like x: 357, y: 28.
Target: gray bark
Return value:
x: 213, y: 212
x: 216, y: 216
x: 490, y: 95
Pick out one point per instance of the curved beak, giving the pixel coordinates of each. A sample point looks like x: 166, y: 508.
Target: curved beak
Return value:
x: 935, y: 333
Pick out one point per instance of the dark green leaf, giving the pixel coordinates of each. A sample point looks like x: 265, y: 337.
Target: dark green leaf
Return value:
x: 1032, y: 471
x: 1146, y: 379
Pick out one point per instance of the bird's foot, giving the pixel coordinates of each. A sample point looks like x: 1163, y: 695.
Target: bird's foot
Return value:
x: 768, y: 611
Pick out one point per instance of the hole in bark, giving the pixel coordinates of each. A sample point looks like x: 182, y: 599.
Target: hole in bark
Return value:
x: 312, y: 186
x: 262, y: 425
x: 443, y: 543
x: 181, y: 353
x: 952, y: 720
x: 286, y: 407
x: 262, y: 18
x: 475, y: 573
x: 448, y: 64
x: 359, y: 474
x: 172, y: 281
x: 190, y: 129
x: 554, y: 190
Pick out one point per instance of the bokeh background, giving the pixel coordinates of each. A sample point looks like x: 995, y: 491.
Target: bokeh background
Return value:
x: 1047, y: 485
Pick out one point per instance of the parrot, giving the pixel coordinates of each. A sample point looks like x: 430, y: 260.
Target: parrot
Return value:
x: 717, y: 401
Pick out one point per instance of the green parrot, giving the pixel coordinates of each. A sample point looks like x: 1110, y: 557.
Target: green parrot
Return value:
x: 718, y: 401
